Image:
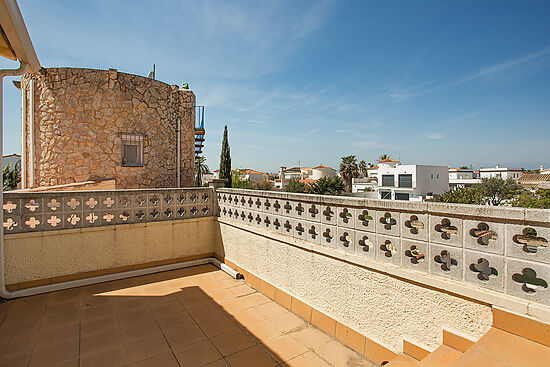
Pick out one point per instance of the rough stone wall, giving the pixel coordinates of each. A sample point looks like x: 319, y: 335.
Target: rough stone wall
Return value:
x: 80, y: 114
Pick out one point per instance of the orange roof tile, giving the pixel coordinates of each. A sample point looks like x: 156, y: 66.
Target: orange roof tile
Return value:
x: 321, y: 166
x: 308, y: 181
x: 373, y: 167
x: 251, y: 171
x: 388, y: 160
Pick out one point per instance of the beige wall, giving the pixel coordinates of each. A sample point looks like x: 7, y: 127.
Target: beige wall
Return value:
x: 39, y: 255
x: 384, y: 308
x: 79, y: 115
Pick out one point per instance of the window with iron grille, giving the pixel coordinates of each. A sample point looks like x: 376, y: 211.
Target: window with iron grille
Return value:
x: 405, y: 181
x: 388, y: 180
x: 132, y: 150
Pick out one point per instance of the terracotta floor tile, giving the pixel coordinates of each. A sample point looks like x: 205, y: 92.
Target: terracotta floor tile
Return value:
x: 188, y: 334
x: 308, y: 359
x: 112, y: 357
x: 217, y: 325
x: 90, y: 301
x: 16, y: 341
x: 131, y: 316
x: 175, y: 321
x: 94, y: 343
x: 206, y: 312
x: 472, y: 358
x: 218, y: 363
x: 56, y: 335
x: 242, y: 290
x: 222, y: 295
x: 139, y: 330
x: 90, y: 313
x: 264, y: 330
x: 241, y: 303
x: 232, y: 342
x: 108, y: 321
x: 340, y: 356
x: 287, y: 321
x: 59, y: 318
x: 252, y: 357
x: 248, y: 316
x: 197, y: 354
x: 147, y: 347
x: 285, y: 348
x: 161, y: 360
x: 271, y: 309
x: 311, y: 337
x: 15, y: 360
x: 55, y: 354
x: 166, y: 308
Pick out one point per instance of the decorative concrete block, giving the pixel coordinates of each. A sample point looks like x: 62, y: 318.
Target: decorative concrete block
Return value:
x: 365, y: 219
x: 258, y: 204
x: 528, y: 242
x: 345, y: 217
x: 52, y: 221
x: 267, y: 222
x: 388, y: 249
x: 329, y: 235
x: 124, y: 216
x: 329, y: 215
x: 288, y: 208
x: 484, y: 236
x: 243, y: 199
x: 91, y: 218
x: 277, y: 207
x: 300, y: 229
x: 365, y: 244
x: 287, y: 226
x: 414, y: 226
x: 249, y: 205
x: 313, y: 231
x: 446, y: 230
x: 387, y: 223
x: 72, y: 220
x: 140, y: 215
x: 12, y: 224
x: 346, y: 239
x: 277, y: 224
x: 313, y: 212
x: 53, y: 204
x: 32, y: 205
x: 11, y: 206
x: 484, y: 270
x: 108, y: 202
x: 108, y: 217
x: 266, y: 205
x: 528, y: 280
x: 155, y: 200
x: 299, y: 211
x: 446, y: 261
x: 416, y: 255
x: 249, y: 216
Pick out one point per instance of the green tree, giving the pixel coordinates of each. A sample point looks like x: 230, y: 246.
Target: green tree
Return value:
x: 328, y: 186
x: 295, y: 186
x: 539, y: 199
x: 363, y: 167
x: 11, y: 178
x: 495, y: 190
x: 464, y: 195
x: 263, y: 185
x: 381, y: 157
x: 225, y: 160
x: 200, y: 169
x: 239, y: 181
x: 464, y: 167
x: 349, y: 170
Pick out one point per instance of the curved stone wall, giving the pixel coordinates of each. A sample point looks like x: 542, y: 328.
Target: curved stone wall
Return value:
x: 80, y: 114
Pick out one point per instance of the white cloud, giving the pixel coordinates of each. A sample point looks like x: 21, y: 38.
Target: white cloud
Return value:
x: 435, y: 136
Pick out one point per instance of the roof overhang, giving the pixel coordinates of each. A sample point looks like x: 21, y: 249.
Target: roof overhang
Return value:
x: 15, y: 43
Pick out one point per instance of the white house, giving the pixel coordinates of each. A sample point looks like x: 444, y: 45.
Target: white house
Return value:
x: 501, y: 172
x: 412, y: 182
x: 253, y: 176
x: 462, y: 177
x: 321, y: 171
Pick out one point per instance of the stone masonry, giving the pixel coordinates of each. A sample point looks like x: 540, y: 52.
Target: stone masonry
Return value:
x: 80, y: 114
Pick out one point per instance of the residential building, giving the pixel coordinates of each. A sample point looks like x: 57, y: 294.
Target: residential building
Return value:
x: 535, y: 180
x: 412, y: 182
x: 321, y: 172
x: 253, y: 176
x: 501, y: 172
x: 305, y: 174
x: 462, y: 177
x: 543, y: 170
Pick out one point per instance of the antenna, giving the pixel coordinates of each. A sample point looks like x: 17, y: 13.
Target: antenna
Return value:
x: 151, y: 74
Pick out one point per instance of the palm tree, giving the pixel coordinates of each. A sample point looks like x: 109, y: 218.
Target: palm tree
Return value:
x: 349, y: 170
x: 363, y: 167
x: 200, y: 169
x: 381, y: 157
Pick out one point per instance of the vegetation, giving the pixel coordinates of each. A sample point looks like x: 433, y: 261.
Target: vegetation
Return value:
x: 328, y: 186
x: 11, y: 178
x: 463, y: 167
x: 349, y: 170
x: 239, y: 181
x: 381, y: 157
x: 263, y: 185
x: 295, y: 186
x: 491, y: 191
x: 363, y: 167
x: 200, y: 169
x: 539, y: 199
x: 225, y: 160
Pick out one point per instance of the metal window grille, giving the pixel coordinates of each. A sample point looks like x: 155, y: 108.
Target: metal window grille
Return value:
x: 132, y: 150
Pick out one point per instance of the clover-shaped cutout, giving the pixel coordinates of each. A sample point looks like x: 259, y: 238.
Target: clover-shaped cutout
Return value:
x: 124, y: 216
x: 446, y: 261
x: 414, y: 224
x: 236, y: 200
x: 194, y: 210
x: 205, y: 197
x: 287, y: 226
x: 181, y: 198
x: 168, y: 212
x: 168, y: 199
x: 365, y: 243
x: 258, y: 203
x: 154, y: 200
x: 250, y: 202
x: 277, y: 206
x: 345, y: 238
x: 155, y: 213
x: 181, y: 212
x: 365, y: 217
x: 446, y: 229
x: 140, y: 200
x: 414, y: 254
x: 243, y: 201
x: 124, y: 201
x: 529, y: 280
x: 483, y: 269
x: 300, y: 229
x: 328, y: 213
x: 388, y: 248
x: 530, y: 240
x: 224, y: 211
x: 250, y: 217
x: 276, y: 223
x: 346, y: 215
x: 313, y: 232
x: 140, y: 214
x: 483, y: 234
x: 205, y: 210
x: 288, y: 207
x: 229, y: 212
x: 243, y: 216
x: 388, y: 221
x: 267, y: 204
x: 258, y: 219
x: 300, y: 209
x: 313, y: 211
x: 267, y: 221
x: 328, y: 235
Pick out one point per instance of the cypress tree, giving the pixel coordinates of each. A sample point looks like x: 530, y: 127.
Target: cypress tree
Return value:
x: 225, y: 160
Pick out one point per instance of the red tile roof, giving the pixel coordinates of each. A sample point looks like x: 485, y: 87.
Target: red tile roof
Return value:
x: 373, y: 167
x: 308, y: 181
x: 388, y: 160
x: 251, y: 171
x: 321, y: 166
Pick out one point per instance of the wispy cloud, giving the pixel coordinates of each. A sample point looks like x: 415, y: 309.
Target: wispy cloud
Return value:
x: 522, y: 61
x: 435, y: 136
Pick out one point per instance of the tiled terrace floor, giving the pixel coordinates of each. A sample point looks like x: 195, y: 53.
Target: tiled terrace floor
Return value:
x: 196, y: 316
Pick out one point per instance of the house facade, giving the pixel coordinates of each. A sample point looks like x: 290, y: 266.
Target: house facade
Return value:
x: 86, y: 124
x: 500, y: 172
x: 461, y: 178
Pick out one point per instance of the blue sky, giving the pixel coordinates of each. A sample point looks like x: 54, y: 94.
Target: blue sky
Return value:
x: 307, y: 82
